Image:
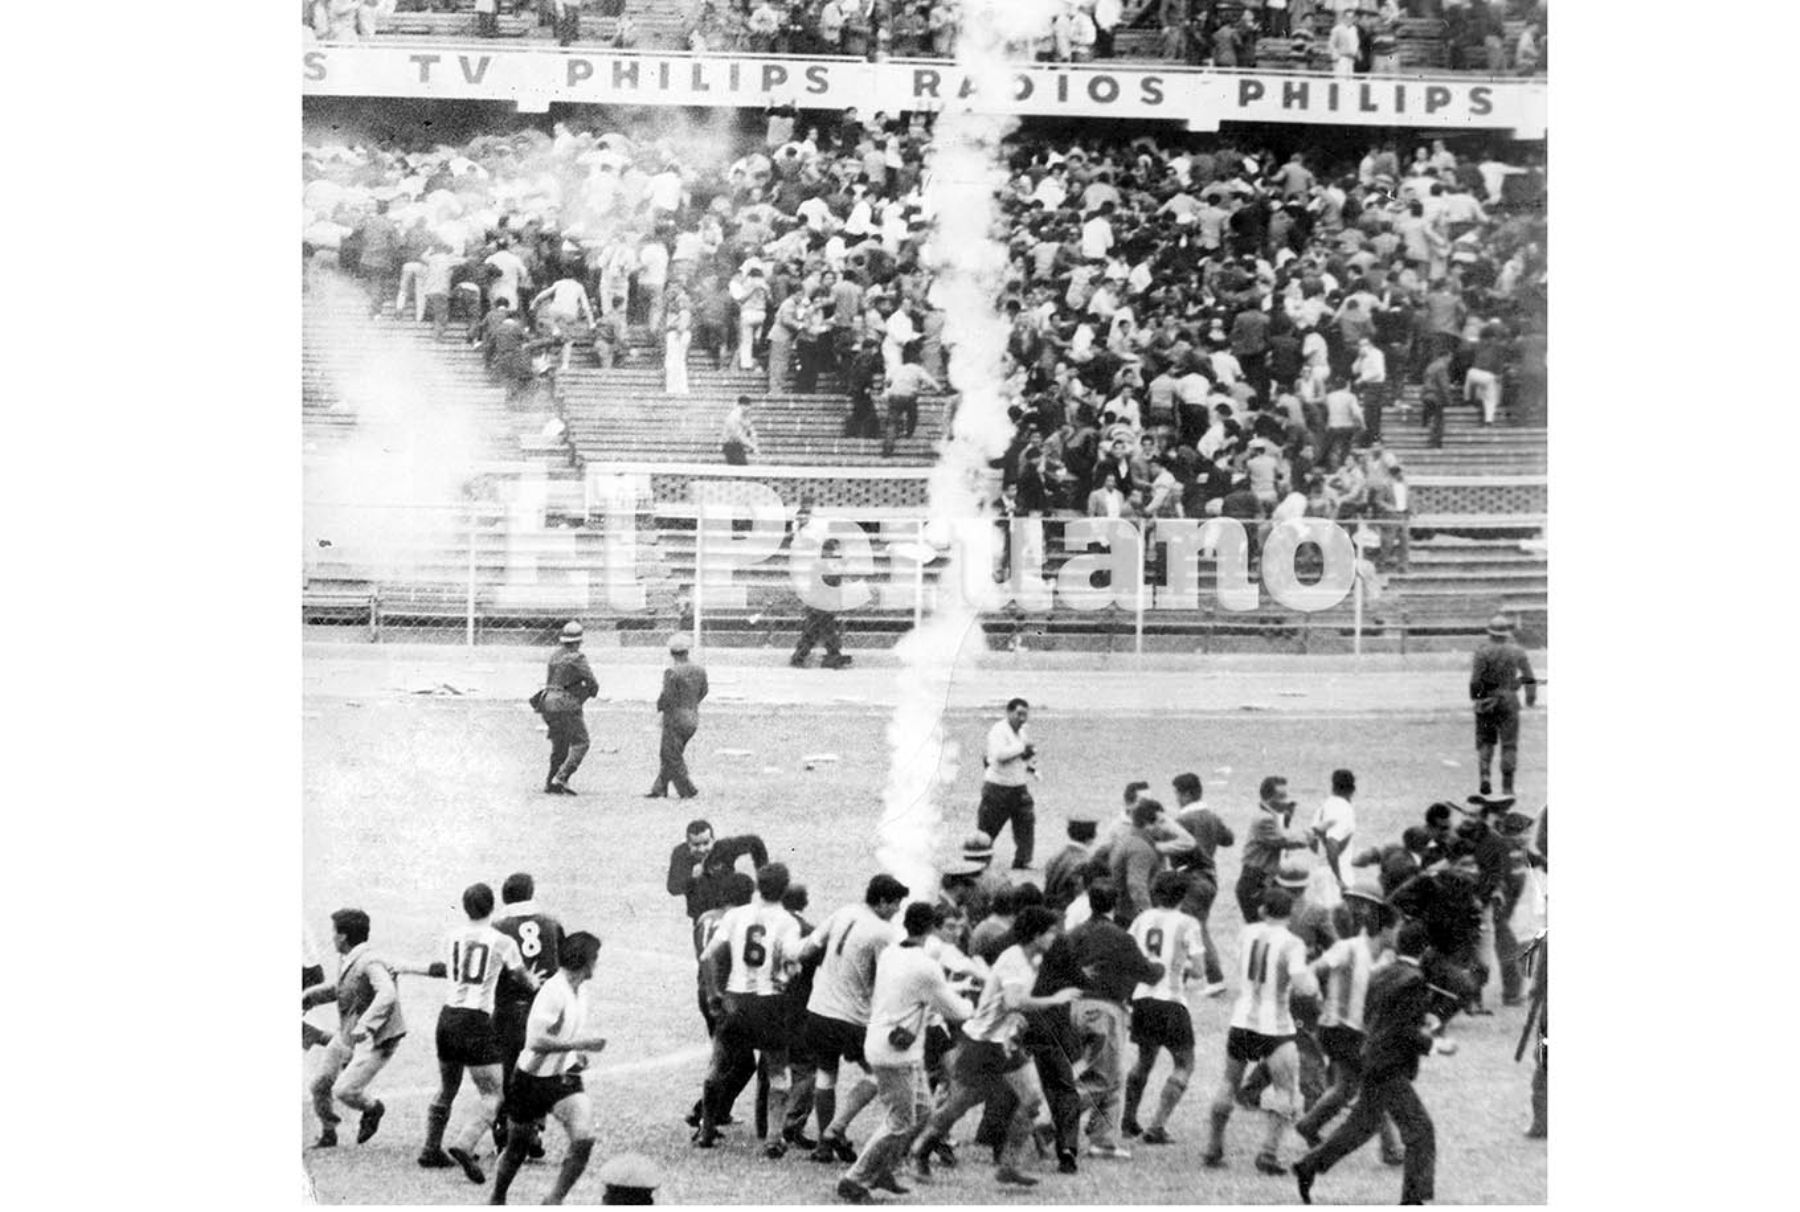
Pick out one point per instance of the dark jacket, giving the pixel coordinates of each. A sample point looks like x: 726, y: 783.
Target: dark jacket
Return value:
x: 684, y: 686
x: 570, y: 681
x: 1112, y: 964
x: 1394, y: 1019
x: 706, y: 891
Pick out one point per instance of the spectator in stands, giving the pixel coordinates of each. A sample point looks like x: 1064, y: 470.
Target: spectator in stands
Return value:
x: 567, y: 15
x: 1275, y: 18
x: 1370, y: 376
x: 440, y: 268
x: 1345, y: 43
x: 678, y: 335
x: 487, y: 18
x: 908, y: 382
x: 738, y: 437
x: 563, y: 306
x: 1343, y: 418
x: 380, y: 260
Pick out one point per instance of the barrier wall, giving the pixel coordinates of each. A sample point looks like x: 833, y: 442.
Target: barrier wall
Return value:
x: 1201, y: 99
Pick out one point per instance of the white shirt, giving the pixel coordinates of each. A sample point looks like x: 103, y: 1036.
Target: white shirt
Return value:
x: 1271, y: 965
x: 762, y: 940
x: 1347, y: 963
x: 1096, y: 238
x: 1337, y: 818
x: 560, y: 1012
x: 1172, y: 939
x: 1012, y: 977
x: 910, y: 986
x: 854, y: 940
x: 1006, y: 754
x: 476, y: 952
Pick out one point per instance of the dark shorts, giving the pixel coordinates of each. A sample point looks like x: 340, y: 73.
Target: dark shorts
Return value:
x: 1252, y: 1046
x: 533, y: 1098
x: 978, y: 1060
x: 1156, y: 1023
x: 759, y: 1022
x: 1342, y: 1046
x: 1498, y: 725
x: 509, y: 1027
x: 466, y: 1037
x: 826, y: 1041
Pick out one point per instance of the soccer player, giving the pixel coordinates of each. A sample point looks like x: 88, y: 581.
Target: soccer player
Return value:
x: 990, y: 1058
x: 1346, y: 967
x: 370, y: 1028
x: 1159, y: 1012
x: 465, y: 1033
x: 738, y: 889
x: 761, y: 940
x: 548, y: 1079
x: 848, y: 945
x: 539, y: 939
x: 1272, y: 967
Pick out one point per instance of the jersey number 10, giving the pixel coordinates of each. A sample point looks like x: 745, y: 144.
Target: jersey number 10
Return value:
x: 469, y: 963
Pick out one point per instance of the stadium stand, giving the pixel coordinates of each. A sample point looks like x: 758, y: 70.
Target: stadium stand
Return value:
x: 1197, y: 234
x: 1489, y: 36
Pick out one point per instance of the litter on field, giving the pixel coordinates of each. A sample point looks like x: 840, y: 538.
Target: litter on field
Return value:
x: 771, y: 770
x: 1451, y: 762
x: 1291, y: 694
x: 1221, y: 770
x: 731, y: 753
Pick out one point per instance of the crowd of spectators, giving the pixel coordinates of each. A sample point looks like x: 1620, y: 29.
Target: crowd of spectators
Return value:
x: 1358, y: 36
x: 1196, y: 327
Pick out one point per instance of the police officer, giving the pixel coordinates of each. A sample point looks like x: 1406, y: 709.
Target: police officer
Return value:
x: 684, y: 685
x: 568, y: 684
x: 1499, y: 669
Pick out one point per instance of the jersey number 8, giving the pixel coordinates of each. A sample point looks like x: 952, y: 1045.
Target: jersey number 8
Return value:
x: 529, y: 943
x: 1153, y: 940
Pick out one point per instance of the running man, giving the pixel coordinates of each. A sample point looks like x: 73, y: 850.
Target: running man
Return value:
x: 466, y: 1038
x: 1160, y: 1018
x: 548, y: 1079
x: 1273, y: 967
x: 761, y: 941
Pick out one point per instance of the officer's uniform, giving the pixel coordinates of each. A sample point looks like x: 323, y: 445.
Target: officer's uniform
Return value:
x: 567, y: 685
x: 684, y: 686
x: 1500, y: 668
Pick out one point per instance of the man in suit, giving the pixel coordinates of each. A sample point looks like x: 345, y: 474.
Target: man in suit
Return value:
x: 1399, y: 1026
x: 567, y: 685
x: 684, y: 686
x: 370, y: 1028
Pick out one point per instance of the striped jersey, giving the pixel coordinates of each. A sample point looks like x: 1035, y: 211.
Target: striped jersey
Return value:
x: 1010, y: 980
x: 1172, y: 939
x: 476, y: 954
x: 1347, y: 964
x: 1272, y: 963
x: 560, y: 1012
x: 762, y: 941
x: 853, y: 938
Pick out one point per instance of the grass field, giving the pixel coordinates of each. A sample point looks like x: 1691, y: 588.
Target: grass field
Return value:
x: 409, y: 799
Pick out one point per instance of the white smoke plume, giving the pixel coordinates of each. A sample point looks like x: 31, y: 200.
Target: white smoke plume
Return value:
x: 385, y: 500
x: 967, y: 253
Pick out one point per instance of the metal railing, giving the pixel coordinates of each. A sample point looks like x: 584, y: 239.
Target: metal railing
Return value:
x: 735, y: 572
